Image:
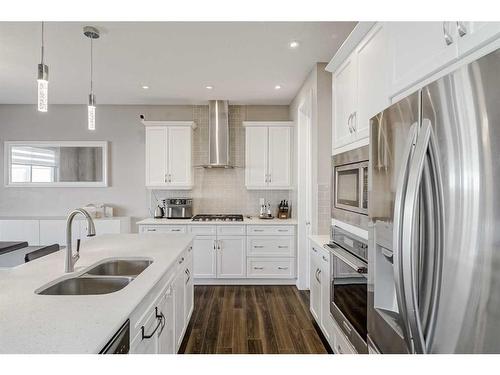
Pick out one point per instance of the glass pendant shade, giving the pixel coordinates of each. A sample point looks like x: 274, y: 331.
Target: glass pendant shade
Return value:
x: 91, y: 112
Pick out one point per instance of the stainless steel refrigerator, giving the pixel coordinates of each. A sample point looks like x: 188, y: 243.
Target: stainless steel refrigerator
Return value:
x: 434, y: 209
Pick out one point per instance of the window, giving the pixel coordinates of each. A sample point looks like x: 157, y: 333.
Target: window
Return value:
x: 33, y: 164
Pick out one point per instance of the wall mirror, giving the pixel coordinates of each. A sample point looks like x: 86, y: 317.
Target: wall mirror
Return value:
x: 57, y: 164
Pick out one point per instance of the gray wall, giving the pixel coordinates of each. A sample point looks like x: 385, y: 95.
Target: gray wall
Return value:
x: 319, y: 83
x: 120, y: 126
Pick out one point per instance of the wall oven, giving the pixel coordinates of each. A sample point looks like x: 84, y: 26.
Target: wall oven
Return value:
x: 348, y: 285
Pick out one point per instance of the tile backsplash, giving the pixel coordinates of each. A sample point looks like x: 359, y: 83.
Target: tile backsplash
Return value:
x: 223, y: 190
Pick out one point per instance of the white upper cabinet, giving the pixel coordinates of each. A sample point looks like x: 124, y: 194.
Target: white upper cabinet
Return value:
x: 168, y: 154
x: 419, y: 49
x: 472, y: 35
x: 279, y: 157
x: 268, y: 155
x: 360, y: 90
x: 373, y: 96
x: 344, y: 85
x: 256, y: 157
x: 179, y: 156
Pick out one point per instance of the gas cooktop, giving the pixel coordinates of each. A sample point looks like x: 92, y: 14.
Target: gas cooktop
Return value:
x: 217, y: 217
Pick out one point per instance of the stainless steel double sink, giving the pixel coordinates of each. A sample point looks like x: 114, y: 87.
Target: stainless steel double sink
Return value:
x: 104, y: 278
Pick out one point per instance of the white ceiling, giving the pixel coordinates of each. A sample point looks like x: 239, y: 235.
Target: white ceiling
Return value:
x: 242, y: 60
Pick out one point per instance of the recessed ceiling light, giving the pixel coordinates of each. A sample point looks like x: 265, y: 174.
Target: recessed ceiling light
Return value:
x: 277, y: 87
x: 293, y: 44
x: 209, y: 87
x: 145, y: 87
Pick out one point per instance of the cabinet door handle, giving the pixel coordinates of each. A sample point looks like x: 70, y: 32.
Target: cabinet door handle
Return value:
x: 462, y: 30
x: 160, y: 323
x: 354, y: 121
x: 181, y: 260
x: 325, y: 258
x: 282, y: 268
x: 447, y: 37
x: 188, y: 274
x: 315, y: 250
x: 215, y: 248
x: 258, y: 268
x: 166, y: 177
x: 270, y: 179
x: 349, y: 123
x: 339, y: 349
x: 219, y: 244
x: 190, y: 249
x: 317, y: 275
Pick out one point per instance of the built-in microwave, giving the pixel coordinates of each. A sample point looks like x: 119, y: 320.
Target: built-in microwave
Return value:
x: 351, y: 187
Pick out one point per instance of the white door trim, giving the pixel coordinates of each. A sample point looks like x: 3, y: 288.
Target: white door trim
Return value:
x: 305, y: 184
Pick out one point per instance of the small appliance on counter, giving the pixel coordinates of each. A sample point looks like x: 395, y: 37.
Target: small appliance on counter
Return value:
x: 159, y: 212
x: 178, y: 208
x: 265, y: 211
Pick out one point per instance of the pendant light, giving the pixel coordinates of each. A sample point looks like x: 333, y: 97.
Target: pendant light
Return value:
x: 91, y: 33
x: 43, y: 81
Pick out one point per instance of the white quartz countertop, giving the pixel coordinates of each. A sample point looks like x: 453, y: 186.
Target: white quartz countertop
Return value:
x: 32, y: 323
x: 246, y: 221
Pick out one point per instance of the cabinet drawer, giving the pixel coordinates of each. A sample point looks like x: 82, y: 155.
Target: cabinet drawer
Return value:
x: 164, y: 229
x: 342, y: 344
x: 231, y: 230
x: 267, y: 246
x: 203, y: 230
x: 263, y: 230
x: 278, y: 268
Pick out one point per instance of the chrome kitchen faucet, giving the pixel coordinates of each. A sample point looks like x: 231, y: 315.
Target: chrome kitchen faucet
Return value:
x: 69, y: 264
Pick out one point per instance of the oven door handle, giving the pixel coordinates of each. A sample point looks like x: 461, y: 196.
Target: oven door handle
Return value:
x: 358, y: 265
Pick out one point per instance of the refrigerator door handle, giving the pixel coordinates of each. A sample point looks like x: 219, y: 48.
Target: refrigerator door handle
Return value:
x: 401, y: 184
x: 425, y: 151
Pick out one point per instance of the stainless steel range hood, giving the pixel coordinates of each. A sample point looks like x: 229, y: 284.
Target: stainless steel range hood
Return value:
x: 218, y: 135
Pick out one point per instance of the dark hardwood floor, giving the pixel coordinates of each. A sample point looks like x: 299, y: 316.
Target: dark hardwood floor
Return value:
x: 252, y: 319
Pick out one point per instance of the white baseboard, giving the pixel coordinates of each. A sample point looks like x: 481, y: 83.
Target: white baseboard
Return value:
x: 245, y: 281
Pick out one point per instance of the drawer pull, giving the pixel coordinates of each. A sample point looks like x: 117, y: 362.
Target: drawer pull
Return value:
x: 175, y: 230
x: 282, y: 268
x: 346, y: 326
x: 151, y: 230
x: 258, y: 268
x: 282, y: 247
x: 258, y: 247
x: 258, y: 230
x: 282, y: 230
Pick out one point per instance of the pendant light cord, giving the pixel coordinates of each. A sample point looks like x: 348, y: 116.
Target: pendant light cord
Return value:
x: 42, y: 40
x: 91, y: 66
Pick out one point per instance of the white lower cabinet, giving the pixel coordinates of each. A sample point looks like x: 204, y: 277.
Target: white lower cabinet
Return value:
x: 163, y: 229
x: 229, y: 252
x: 231, y: 257
x: 159, y: 323
x: 315, y: 286
x: 320, y: 269
x: 272, y: 268
x: 205, y: 257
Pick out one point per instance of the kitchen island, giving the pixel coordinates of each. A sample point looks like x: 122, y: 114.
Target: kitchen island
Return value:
x: 34, y: 323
